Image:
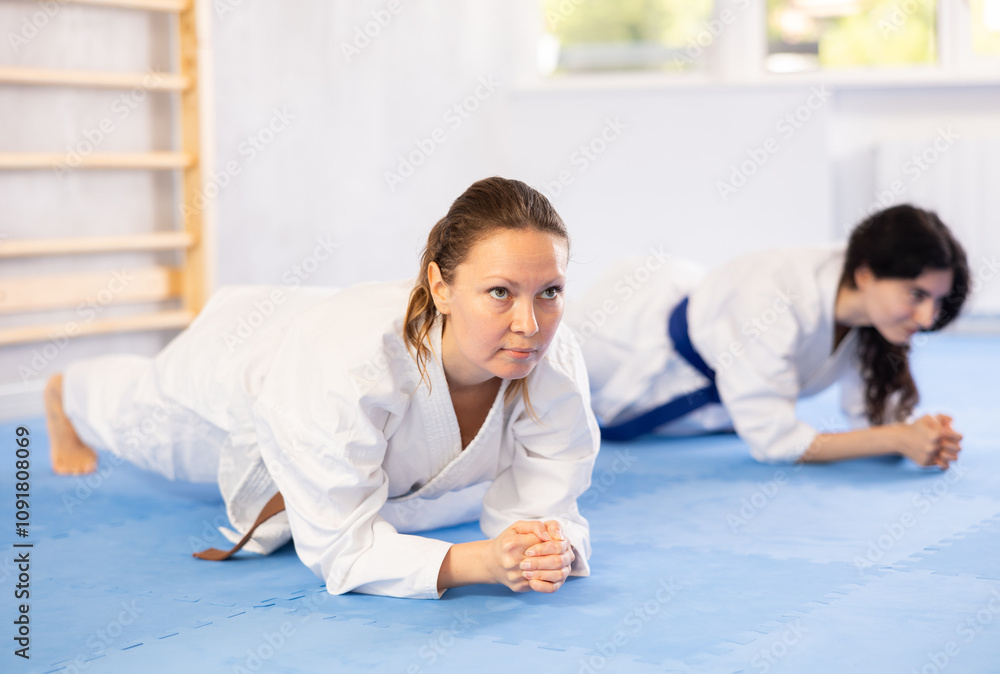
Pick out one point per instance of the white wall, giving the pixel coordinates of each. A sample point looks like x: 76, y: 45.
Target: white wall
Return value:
x: 353, y: 116
x: 322, y: 175
x: 659, y: 183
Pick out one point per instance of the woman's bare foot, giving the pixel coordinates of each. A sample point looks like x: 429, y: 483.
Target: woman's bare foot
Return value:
x: 69, y: 455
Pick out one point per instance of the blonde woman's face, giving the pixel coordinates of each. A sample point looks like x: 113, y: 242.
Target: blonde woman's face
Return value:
x: 503, y: 307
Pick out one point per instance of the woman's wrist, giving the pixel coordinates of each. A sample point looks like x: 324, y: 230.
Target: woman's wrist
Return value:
x: 465, y: 564
x: 897, y: 437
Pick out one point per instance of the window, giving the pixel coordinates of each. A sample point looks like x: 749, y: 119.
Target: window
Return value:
x: 697, y: 41
x: 602, y: 35
x: 807, y: 35
x: 986, y: 27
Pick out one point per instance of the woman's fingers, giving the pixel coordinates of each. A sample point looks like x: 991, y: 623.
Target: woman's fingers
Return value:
x: 949, y: 433
x: 548, y: 561
x: 950, y: 447
x: 555, y: 530
x: 544, y: 586
x: 531, y: 527
x: 548, y: 575
x: 948, y: 454
x: 513, y: 547
x: 547, y: 581
x: 549, y: 548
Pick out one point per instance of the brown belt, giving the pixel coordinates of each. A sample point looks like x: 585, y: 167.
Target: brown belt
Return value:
x: 271, y: 508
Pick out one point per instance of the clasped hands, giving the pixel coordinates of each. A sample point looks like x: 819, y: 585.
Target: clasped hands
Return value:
x: 931, y: 441
x: 530, y: 555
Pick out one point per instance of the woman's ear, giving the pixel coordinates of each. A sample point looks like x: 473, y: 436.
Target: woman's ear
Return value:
x: 864, y: 277
x: 440, y: 291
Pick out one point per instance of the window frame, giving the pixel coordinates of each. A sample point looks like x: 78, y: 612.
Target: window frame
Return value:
x: 738, y: 53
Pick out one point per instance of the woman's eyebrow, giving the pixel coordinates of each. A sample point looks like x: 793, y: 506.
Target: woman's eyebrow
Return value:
x: 928, y: 293
x: 514, y: 284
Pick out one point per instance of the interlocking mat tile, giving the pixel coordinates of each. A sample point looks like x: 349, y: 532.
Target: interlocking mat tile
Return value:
x: 704, y: 561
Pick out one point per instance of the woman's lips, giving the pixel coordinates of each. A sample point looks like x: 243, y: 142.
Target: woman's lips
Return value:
x: 519, y: 354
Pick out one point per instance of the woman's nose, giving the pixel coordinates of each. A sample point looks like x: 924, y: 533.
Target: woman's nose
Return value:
x: 925, y: 314
x: 524, y: 322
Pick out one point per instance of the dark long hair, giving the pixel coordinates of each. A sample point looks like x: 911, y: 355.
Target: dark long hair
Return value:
x: 488, y: 206
x: 901, y: 242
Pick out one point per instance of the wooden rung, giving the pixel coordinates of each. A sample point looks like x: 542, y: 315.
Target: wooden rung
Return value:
x: 163, y: 320
x: 96, y: 244
x: 122, y: 160
x: 150, y: 81
x: 151, y: 5
x: 95, y: 290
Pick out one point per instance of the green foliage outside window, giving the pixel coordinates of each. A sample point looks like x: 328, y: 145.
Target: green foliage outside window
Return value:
x: 669, y: 22
x: 858, y: 33
x: 654, y: 32
x: 801, y: 34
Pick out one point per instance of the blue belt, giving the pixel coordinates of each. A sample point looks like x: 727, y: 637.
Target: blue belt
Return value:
x: 677, y: 328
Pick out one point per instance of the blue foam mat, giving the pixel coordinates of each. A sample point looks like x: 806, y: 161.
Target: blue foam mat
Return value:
x: 704, y: 561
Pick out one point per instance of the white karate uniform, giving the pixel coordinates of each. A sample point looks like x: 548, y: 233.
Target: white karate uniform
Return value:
x: 314, y: 393
x: 764, y: 322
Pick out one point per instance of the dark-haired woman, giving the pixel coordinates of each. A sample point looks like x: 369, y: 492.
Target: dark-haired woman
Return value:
x: 345, y: 419
x: 673, y: 350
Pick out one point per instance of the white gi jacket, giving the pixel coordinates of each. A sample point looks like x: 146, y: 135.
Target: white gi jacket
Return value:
x: 321, y: 400
x: 764, y: 322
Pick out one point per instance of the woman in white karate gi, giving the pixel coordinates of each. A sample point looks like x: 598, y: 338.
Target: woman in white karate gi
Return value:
x: 673, y: 350
x: 376, y: 410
